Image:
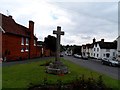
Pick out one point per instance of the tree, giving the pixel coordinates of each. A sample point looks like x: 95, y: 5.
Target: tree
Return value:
x: 77, y: 49
x: 62, y: 48
x: 50, y: 42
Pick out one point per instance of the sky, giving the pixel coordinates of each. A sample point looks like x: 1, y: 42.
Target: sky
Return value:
x: 81, y: 20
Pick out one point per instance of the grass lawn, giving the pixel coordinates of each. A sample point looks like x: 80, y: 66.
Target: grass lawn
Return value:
x: 30, y: 74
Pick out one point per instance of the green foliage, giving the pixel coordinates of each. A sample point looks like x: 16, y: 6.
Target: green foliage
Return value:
x: 77, y: 49
x: 50, y: 42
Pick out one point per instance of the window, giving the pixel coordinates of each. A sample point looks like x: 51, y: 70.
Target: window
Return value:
x: 113, y: 53
x: 104, y: 55
x: 27, y: 41
x: 97, y: 49
x: 94, y: 54
x: 94, y: 49
x: 22, y: 49
x: 97, y: 55
x: 26, y: 49
x: 34, y: 42
x: 22, y: 41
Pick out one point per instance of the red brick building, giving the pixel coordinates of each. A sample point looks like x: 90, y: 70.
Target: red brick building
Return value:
x: 18, y: 42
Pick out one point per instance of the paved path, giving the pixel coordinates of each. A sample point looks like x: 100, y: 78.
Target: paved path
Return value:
x: 96, y: 65
x: 24, y: 61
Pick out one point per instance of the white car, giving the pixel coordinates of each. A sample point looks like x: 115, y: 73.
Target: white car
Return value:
x: 77, y: 56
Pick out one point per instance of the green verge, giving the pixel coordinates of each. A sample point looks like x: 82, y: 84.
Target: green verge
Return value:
x: 30, y: 74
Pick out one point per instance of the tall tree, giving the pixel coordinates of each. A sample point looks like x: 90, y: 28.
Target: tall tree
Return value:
x: 50, y: 42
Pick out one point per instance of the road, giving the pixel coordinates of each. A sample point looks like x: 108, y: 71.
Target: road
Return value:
x: 96, y: 65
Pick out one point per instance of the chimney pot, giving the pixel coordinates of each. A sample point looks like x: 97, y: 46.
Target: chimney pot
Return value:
x: 31, y: 27
x: 102, y: 40
x: 94, y: 40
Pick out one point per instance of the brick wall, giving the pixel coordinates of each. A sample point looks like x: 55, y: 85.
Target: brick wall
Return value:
x: 0, y: 37
x: 12, y: 47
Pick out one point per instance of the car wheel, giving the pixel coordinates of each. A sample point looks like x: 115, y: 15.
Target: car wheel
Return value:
x: 102, y: 63
x: 110, y: 64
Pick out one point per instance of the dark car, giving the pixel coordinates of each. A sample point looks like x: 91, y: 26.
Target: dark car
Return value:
x: 110, y: 62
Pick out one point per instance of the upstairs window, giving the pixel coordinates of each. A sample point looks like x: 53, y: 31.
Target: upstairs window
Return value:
x: 22, y: 41
x: 97, y: 49
x: 34, y: 42
x: 27, y: 41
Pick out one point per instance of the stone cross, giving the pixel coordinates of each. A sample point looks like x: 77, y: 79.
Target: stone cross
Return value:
x: 58, y: 33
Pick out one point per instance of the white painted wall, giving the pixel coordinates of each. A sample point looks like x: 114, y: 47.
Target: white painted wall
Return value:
x: 91, y: 52
x: 96, y: 51
x: 118, y: 48
x: 83, y: 51
x: 104, y: 52
x: 118, y: 45
x: 101, y: 53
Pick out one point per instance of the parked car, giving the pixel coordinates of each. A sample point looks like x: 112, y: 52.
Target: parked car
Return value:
x: 61, y: 55
x: 69, y: 54
x: 110, y: 62
x: 99, y: 58
x: 77, y: 56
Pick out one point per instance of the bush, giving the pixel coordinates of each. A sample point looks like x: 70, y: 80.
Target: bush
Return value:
x: 80, y: 83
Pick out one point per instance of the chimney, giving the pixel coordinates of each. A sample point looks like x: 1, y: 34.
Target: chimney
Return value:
x: 102, y: 40
x: 31, y: 27
x: 94, y: 40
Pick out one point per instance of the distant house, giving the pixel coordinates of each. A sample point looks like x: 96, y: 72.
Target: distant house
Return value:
x: 103, y: 49
x: 100, y: 49
x: 118, y: 48
x: 18, y: 41
x: 69, y: 51
x: 87, y: 50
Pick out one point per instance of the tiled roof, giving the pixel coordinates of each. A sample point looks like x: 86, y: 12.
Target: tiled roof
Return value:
x: 107, y: 45
x: 103, y: 45
x: 10, y: 26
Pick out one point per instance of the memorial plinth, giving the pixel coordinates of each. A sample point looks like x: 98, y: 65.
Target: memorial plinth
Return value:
x: 57, y: 67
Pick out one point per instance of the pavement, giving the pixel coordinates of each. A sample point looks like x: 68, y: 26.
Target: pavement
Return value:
x: 23, y: 61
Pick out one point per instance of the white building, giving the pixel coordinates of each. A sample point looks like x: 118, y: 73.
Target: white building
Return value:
x: 103, y: 49
x: 100, y: 49
x: 83, y: 50
x: 87, y: 50
x: 118, y: 48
